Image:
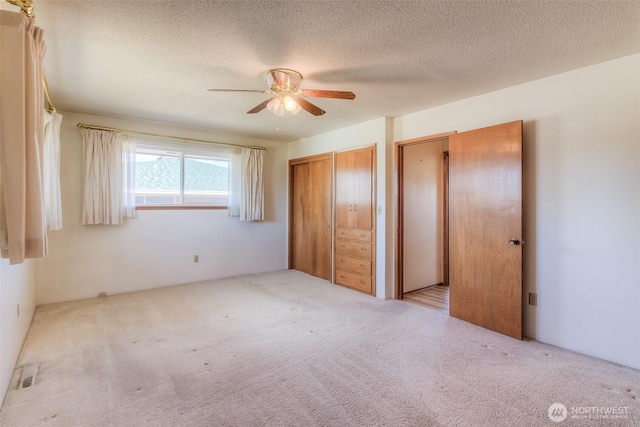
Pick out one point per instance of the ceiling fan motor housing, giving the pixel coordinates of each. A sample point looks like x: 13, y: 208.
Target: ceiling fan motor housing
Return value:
x: 283, y: 80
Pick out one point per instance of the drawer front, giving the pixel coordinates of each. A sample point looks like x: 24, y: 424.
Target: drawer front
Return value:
x: 352, y: 234
x: 357, y: 265
x: 353, y: 248
x: 353, y: 280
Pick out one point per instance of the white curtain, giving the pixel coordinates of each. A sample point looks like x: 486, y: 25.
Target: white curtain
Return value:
x: 52, y: 194
x: 246, y: 185
x: 129, y: 177
x: 22, y: 213
x: 109, y: 177
x: 252, y: 208
x: 235, y: 181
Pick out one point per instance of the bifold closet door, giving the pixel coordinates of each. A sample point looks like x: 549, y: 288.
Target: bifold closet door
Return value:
x: 311, y: 217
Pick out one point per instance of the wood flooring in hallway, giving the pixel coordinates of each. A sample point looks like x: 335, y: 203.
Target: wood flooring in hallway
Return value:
x: 433, y: 297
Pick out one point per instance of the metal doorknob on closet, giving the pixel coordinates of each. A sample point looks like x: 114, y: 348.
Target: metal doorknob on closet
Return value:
x: 516, y: 242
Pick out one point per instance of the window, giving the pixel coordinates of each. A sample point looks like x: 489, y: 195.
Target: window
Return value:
x: 169, y: 176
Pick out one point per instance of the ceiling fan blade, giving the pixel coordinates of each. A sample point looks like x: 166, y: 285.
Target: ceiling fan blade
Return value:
x: 259, y: 107
x: 316, y: 111
x: 336, y: 94
x: 239, y: 90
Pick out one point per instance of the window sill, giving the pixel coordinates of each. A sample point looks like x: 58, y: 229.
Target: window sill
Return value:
x: 178, y: 208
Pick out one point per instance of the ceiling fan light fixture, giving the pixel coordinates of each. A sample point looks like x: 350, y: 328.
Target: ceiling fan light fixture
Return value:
x: 276, y: 107
x: 291, y: 105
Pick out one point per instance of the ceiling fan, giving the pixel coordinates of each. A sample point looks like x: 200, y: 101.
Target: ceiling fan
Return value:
x: 284, y: 85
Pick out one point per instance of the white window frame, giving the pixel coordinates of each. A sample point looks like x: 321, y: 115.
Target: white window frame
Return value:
x: 182, y: 150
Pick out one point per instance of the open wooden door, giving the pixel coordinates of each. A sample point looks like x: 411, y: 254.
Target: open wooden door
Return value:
x: 485, y: 214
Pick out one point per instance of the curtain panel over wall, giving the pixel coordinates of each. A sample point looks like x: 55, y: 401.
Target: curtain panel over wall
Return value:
x: 22, y: 211
x: 52, y: 193
x: 246, y: 184
x: 109, y: 177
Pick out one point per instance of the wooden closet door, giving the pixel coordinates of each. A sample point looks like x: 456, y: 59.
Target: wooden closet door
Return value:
x: 311, y: 217
x: 355, y: 234
x: 354, y: 189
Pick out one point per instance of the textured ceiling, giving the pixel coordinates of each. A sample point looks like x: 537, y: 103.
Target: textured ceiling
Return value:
x: 155, y: 59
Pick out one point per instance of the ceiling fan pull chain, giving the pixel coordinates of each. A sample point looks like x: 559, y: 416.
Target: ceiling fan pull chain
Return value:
x: 280, y: 124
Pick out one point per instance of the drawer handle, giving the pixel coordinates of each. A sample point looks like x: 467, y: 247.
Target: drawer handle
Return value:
x: 343, y: 246
x: 342, y: 261
x: 363, y: 249
x: 342, y: 277
x: 355, y: 208
x: 363, y: 282
x: 342, y: 233
x: 363, y: 265
x: 363, y: 235
x: 350, y: 208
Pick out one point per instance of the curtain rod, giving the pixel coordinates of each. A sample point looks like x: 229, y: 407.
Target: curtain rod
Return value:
x: 26, y: 7
x: 161, y: 135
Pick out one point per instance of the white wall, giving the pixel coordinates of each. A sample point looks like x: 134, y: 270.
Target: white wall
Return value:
x: 157, y: 248
x: 17, y: 288
x: 369, y: 133
x: 582, y: 200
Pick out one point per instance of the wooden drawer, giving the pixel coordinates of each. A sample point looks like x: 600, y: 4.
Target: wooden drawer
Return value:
x: 348, y: 247
x: 357, y: 265
x: 354, y: 280
x: 353, y: 234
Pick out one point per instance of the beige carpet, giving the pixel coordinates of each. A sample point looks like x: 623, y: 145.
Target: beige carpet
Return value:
x: 287, y: 349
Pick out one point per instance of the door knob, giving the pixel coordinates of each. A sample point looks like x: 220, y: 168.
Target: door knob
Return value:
x: 516, y: 242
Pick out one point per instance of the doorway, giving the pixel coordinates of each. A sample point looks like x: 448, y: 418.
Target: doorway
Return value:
x: 484, y: 225
x: 422, y: 257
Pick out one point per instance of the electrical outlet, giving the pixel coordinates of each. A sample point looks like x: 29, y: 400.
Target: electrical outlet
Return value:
x: 533, y: 298
x: 196, y: 259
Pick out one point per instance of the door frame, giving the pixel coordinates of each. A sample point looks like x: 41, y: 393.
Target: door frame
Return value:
x: 399, y: 214
x: 445, y: 225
